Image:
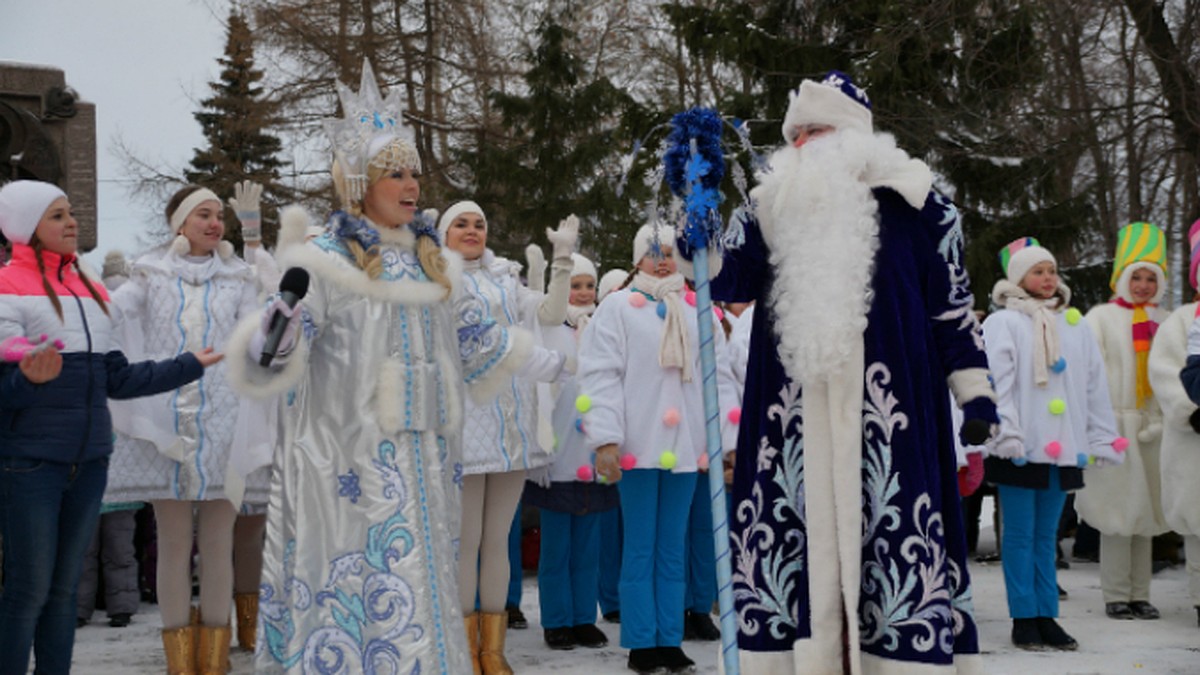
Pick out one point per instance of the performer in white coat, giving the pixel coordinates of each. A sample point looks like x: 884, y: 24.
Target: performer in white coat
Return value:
x: 1125, y: 502
x: 500, y: 436
x: 1178, y: 345
x: 360, y: 566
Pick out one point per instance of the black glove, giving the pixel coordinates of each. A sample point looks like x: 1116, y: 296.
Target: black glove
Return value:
x: 979, y: 418
x: 1194, y: 420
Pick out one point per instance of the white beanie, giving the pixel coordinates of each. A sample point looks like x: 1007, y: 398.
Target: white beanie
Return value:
x: 1024, y: 260
x: 834, y: 101
x: 581, y: 266
x: 649, y: 237
x: 459, y: 208
x: 610, y: 281
x: 22, y: 205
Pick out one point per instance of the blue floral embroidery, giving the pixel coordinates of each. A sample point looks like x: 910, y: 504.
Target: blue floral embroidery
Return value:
x: 346, y: 226
x: 348, y: 486
x: 360, y: 592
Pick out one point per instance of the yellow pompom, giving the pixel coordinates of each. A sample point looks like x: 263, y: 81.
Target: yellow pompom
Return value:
x: 1058, y: 406
x: 667, y: 460
x: 583, y: 403
x: 1074, y: 316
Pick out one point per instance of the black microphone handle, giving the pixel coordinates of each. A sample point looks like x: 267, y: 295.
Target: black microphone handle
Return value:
x: 276, y: 329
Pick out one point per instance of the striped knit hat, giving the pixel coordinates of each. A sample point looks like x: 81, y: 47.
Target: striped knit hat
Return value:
x: 1139, y: 243
x: 1194, y: 241
x: 1020, y: 255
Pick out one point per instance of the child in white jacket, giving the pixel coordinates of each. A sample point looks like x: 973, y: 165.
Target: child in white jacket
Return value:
x: 1055, y: 416
x: 1125, y: 502
x: 643, y: 411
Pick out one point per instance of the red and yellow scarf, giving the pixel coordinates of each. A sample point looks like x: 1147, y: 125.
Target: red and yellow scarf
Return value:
x: 1143, y: 332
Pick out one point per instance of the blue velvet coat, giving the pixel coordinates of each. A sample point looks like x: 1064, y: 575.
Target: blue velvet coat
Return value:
x: 915, y: 605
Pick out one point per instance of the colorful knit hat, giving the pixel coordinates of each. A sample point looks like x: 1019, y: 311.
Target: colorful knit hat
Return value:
x: 1194, y: 241
x: 1020, y: 255
x: 1138, y: 242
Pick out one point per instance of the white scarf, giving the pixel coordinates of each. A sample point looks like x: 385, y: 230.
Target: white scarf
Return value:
x: 673, y: 348
x: 578, y: 316
x: 1046, y: 347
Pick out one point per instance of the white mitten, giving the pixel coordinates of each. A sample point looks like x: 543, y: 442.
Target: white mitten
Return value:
x: 563, y: 239
x: 537, y: 268
x: 245, y: 203
x: 288, y: 342
x: 1008, y: 448
x: 1151, y: 433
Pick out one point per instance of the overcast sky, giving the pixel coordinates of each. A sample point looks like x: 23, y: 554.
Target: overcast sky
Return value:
x: 144, y: 64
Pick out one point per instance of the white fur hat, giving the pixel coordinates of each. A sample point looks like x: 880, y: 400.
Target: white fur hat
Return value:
x: 456, y: 210
x: 834, y: 101
x: 610, y: 280
x: 1024, y: 260
x: 22, y: 205
x: 649, y: 238
x: 581, y: 266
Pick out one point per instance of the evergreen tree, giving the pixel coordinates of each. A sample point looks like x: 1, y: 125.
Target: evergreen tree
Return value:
x: 235, y: 121
x: 558, y: 153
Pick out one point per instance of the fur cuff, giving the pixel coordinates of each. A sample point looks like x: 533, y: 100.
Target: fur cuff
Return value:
x: 688, y: 269
x: 252, y: 379
x: 485, y: 388
x: 969, y: 384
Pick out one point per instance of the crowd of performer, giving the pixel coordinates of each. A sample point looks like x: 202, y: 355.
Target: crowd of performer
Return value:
x: 338, y: 437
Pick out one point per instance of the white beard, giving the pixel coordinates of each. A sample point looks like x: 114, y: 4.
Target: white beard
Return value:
x: 820, y: 222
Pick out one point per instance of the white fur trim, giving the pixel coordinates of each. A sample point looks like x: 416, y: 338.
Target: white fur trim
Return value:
x: 293, y: 227
x: 253, y: 380
x: 1024, y: 260
x: 388, y: 400
x: 1122, y: 289
x: 225, y: 250
x: 397, y: 236
x: 688, y: 268
x: 456, y: 210
x: 816, y: 103
x: 968, y: 384
x: 340, y: 272
x: 485, y: 389
x: 453, y: 387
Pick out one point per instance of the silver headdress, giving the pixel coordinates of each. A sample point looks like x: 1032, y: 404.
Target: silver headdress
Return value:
x: 371, y: 132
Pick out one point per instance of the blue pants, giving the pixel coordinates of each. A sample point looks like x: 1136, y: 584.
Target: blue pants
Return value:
x: 655, y: 505
x: 610, y: 561
x: 1029, y: 537
x: 702, y: 559
x: 48, y: 512
x: 568, y: 568
x: 515, y: 571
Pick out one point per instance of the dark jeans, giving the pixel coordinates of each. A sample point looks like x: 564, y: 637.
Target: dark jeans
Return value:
x: 48, y: 512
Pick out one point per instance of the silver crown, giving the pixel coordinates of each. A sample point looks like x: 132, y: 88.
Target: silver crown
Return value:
x: 370, y: 123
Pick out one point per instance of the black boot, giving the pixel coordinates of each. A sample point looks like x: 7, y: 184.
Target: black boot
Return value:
x: 1025, y: 635
x: 646, y: 661
x: 675, y: 660
x: 559, y: 638
x: 1054, y: 636
x: 587, y: 635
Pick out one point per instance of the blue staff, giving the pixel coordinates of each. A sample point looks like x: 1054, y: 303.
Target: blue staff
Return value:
x: 694, y: 169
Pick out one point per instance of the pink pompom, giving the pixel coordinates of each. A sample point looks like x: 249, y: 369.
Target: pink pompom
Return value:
x: 671, y: 417
x: 702, y: 462
x: 584, y: 473
x: 1120, y: 444
x: 735, y: 416
x: 720, y: 313
x: 637, y: 300
x: 1054, y: 449
x: 690, y: 298
x: 628, y: 462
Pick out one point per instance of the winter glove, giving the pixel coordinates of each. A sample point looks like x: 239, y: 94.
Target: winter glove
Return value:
x: 1110, y: 454
x: 288, y: 342
x: 980, y: 421
x: 18, y: 347
x: 1194, y: 420
x: 245, y: 203
x: 537, y: 268
x: 1009, y: 448
x: 563, y: 239
x: 970, y: 477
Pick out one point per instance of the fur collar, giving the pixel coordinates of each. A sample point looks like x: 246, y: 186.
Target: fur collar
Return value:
x: 170, y: 260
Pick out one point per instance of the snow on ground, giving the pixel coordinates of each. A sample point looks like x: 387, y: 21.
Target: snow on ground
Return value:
x: 1170, y: 646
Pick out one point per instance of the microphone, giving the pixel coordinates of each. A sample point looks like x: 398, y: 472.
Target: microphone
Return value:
x: 292, y: 287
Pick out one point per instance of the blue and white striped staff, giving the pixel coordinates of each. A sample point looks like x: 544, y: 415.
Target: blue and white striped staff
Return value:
x: 694, y: 170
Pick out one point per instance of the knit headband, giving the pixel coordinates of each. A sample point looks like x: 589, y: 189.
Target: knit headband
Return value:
x: 189, y: 204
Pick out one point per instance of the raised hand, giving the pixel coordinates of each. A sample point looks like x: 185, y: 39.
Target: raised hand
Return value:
x: 563, y: 239
x: 245, y: 203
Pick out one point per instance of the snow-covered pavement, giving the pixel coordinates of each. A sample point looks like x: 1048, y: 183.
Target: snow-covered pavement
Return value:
x: 1169, y: 646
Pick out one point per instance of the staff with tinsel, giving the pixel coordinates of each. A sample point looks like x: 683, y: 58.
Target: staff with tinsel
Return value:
x: 694, y: 167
